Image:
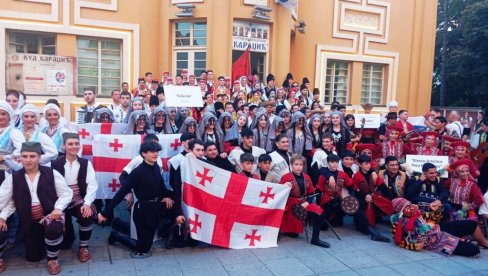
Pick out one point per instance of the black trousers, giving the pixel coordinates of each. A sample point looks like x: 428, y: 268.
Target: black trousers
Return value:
x: 333, y: 212
x: 85, y: 228
x: 462, y: 228
x: 147, y: 216
x: 39, y: 241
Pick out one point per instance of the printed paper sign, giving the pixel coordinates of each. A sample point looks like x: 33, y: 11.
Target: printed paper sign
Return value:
x: 183, y: 96
x: 417, y: 161
x: 371, y: 120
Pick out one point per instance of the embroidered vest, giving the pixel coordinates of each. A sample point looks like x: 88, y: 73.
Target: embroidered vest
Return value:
x: 58, y: 165
x: 21, y: 195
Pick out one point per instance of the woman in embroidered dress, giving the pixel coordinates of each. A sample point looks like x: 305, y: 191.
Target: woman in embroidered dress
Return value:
x: 209, y: 130
x: 171, y: 125
x: 394, y: 146
x: 260, y: 127
x: 54, y: 129
x: 138, y: 123
x: 233, y: 135
x: 11, y: 139
x: 16, y: 100
x: 464, y: 193
x: 158, y: 120
x: 32, y: 133
x: 190, y: 126
x: 340, y: 133
x: 299, y: 137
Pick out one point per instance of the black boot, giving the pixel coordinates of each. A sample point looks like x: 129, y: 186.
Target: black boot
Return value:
x: 124, y: 240
x: 376, y: 236
x: 319, y: 221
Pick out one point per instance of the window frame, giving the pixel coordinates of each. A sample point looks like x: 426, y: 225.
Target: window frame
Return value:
x: 333, y: 81
x: 38, y: 35
x: 370, y: 85
x: 189, y: 49
x: 100, y: 59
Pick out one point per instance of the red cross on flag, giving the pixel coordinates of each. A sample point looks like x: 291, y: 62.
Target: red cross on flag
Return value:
x: 88, y: 131
x: 231, y: 210
x: 111, y: 153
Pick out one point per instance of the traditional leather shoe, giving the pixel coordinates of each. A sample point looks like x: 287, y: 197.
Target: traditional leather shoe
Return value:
x: 84, y: 254
x: 380, y: 238
x: 140, y: 255
x: 112, y: 238
x: 53, y: 267
x: 320, y: 243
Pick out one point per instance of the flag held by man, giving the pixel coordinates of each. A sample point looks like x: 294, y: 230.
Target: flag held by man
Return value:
x: 231, y: 210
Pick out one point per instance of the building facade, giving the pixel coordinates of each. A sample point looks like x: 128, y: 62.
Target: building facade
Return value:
x: 354, y: 51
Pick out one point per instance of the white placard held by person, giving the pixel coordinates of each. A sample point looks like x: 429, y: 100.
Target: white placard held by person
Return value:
x: 371, y: 120
x: 183, y: 96
x: 416, y: 162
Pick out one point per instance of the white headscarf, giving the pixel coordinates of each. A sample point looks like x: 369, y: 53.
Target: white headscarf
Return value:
x: 29, y: 108
x: 51, y: 106
x: 5, y: 106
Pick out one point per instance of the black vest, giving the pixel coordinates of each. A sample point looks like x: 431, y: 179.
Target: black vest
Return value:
x: 58, y: 165
x: 46, y: 192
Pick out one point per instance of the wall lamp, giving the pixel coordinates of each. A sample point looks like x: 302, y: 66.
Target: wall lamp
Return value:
x: 261, y: 12
x: 187, y: 10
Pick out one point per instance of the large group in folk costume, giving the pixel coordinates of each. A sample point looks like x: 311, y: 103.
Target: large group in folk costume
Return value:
x: 283, y: 135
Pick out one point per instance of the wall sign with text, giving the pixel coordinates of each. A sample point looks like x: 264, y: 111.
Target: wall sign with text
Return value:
x: 41, y: 74
x: 246, y: 34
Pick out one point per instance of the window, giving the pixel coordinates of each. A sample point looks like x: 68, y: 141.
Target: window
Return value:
x: 337, y: 82
x: 31, y: 43
x: 372, y: 84
x: 191, y: 34
x: 99, y: 64
x: 190, y: 41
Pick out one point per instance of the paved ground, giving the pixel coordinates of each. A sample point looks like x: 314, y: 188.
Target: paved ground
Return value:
x: 356, y: 254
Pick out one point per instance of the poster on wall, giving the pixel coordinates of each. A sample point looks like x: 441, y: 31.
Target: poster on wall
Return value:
x: 255, y: 35
x: 41, y: 74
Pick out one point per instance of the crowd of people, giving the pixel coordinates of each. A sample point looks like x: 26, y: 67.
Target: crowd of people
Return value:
x: 281, y: 134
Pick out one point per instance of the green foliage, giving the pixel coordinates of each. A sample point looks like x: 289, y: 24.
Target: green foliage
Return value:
x: 467, y: 53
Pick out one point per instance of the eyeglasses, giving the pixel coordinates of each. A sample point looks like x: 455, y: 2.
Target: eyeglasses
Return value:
x: 295, y: 86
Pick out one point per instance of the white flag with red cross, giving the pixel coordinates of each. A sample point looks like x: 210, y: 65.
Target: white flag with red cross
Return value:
x: 111, y: 153
x: 230, y: 210
x: 88, y: 131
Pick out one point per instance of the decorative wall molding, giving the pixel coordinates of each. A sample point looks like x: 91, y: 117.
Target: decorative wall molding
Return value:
x: 360, y: 22
x: 128, y: 33
x: 51, y: 17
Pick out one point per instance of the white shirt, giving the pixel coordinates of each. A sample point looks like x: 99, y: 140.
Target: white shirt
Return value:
x: 48, y: 147
x: 484, y: 207
x: 455, y: 129
x: 320, y: 157
x: 136, y: 161
x: 71, y: 177
x: 235, y: 156
x: 63, y: 192
x: 117, y: 112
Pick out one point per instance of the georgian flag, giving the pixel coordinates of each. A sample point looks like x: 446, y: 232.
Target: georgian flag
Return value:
x: 88, y: 131
x: 231, y: 210
x: 111, y: 153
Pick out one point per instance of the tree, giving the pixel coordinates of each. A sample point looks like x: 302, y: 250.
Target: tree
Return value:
x: 465, y: 53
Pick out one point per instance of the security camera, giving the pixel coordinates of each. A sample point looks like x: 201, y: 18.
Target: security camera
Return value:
x: 263, y: 8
